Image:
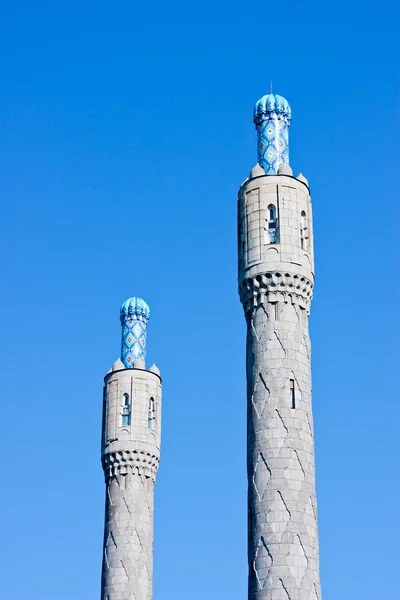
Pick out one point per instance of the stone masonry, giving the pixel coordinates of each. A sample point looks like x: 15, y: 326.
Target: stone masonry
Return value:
x: 130, y: 457
x: 276, y: 275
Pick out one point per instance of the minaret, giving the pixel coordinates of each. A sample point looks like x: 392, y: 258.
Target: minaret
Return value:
x: 276, y: 277
x: 130, y: 452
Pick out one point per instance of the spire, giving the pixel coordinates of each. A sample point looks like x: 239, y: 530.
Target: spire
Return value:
x: 134, y: 317
x: 272, y: 116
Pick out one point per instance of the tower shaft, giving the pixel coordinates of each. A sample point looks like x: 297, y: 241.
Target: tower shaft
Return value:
x: 128, y: 536
x: 275, y: 286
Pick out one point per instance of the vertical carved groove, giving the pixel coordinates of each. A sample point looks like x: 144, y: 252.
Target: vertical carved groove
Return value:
x: 283, y: 585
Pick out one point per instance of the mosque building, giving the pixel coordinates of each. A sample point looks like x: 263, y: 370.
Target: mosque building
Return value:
x: 275, y: 277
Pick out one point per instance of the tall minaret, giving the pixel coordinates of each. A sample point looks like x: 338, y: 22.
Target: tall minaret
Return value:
x: 130, y: 451
x: 276, y: 276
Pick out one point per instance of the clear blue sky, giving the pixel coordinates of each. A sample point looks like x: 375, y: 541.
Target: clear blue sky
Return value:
x: 126, y: 130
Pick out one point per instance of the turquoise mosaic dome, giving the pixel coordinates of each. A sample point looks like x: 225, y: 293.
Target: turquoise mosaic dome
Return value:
x: 269, y: 105
x: 134, y: 306
x: 134, y: 315
x: 272, y: 115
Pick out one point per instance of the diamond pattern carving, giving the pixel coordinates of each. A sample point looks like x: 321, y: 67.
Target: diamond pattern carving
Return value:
x: 262, y: 476
x: 112, y: 490
x: 145, y: 515
x: 135, y: 544
x: 262, y: 563
x: 285, y: 590
x: 307, y: 427
x: 144, y: 578
x: 263, y: 333
x: 278, y: 516
x: 309, y: 518
x: 299, y: 560
x: 110, y: 551
x: 124, y: 512
x: 314, y: 593
x: 276, y: 423
x: 260, y: 395
x: 294, y: 473
x: 123, y: 573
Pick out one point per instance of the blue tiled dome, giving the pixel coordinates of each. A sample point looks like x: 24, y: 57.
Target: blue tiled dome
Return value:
x: 269, y: 105
x: 135, y: 308
x: 272, y: 116
x: 134, y: 316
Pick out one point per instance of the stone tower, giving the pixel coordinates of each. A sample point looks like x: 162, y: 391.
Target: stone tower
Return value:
x: 130, y: 452
x: 276, y: 276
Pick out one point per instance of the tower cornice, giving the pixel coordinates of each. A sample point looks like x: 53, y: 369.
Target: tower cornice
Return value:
x: 130, y: 371
x: 270, y: 179
x: 135, y: 462
x: 275, y: 287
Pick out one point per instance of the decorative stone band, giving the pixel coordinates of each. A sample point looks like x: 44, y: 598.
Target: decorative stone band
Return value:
x: 275, y: 287
x: 133, y: 462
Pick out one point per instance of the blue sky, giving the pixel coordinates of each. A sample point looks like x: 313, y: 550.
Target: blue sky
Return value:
x: 126, y: 130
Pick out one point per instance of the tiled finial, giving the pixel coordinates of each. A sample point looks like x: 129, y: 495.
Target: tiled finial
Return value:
x: 135, y: 315
x: 272, y: 116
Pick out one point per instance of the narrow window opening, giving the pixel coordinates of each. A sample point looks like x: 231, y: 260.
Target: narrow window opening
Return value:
x: 276, y: 311
x: 126, y: 411
x: 104, y: 419
x: 303, y: 231
x: 241, y: 237
x: 150, y: 414
x: 292, y: 394
x: 271, y: 226
x: 271, y: 212
x: 250, y: 523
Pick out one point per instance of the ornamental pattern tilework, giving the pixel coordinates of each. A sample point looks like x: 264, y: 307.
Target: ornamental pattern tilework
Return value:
x: 272, y: 116
x: 134, y: 316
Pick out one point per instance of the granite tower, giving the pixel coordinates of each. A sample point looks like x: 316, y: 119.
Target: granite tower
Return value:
x: 130, y: 451
x: 276, y: 276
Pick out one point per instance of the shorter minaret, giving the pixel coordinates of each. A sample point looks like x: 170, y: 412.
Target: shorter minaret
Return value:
x: 130, y: 452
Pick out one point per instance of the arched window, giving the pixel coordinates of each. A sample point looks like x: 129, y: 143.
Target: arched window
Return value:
x: 241, y: 238
x: 271, y: 226
x: 126, y: 411
x: 150, y: 414
x: 271, y: 214
x: 250, y: 523
x: 303, y: 231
